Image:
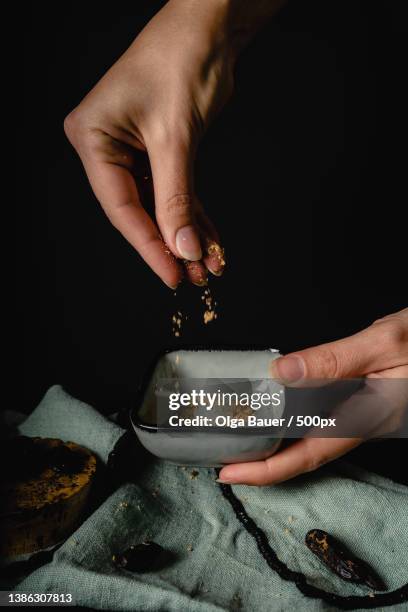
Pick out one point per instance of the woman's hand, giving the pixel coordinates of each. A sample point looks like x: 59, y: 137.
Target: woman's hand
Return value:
x: 380, y: 351
x: 158, y: 98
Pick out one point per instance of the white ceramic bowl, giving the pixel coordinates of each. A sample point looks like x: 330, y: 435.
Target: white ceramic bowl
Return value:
x: 216, y: 446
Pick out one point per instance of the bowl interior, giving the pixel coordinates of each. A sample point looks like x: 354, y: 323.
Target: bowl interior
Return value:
x: 183, y: 365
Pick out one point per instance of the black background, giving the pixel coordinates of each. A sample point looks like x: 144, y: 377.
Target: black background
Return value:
x: 304, y: 173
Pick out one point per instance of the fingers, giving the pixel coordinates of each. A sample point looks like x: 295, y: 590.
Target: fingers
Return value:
x: 214, y: 256
x: 116, y: 190
x: 196, y: 272
x: 303, y: 456
x: 181, y: 219
x: 394, y: 401
x: 174, y: 199
x: 214, y: 260
x: 186, y: 231
x: 381, y: 346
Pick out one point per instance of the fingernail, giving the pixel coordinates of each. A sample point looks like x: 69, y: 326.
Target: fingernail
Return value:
x: 188, y: 244
x: 216, y: 273
x: 225, y: 477
x: 216, y: 257
x: 289, y: 369
x: 173, y: 287
x: 196, y: 273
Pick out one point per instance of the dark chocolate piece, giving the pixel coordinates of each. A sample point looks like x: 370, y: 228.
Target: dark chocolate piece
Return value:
x: 139, y: 557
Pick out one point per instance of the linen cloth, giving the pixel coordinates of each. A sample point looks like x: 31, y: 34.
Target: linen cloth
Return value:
x: 216, y: 564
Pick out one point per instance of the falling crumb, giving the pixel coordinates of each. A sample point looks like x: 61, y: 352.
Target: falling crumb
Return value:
x: 194, y: 474
x: 209, y: 315
x: 177, y: 320
x: 371, y: 594
x: 209, y: 312
x: 123, y: 504
x: 190, y: 548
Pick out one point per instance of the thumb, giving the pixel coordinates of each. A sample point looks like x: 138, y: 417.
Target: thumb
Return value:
x: 172, y: 169
x: 370, y: 350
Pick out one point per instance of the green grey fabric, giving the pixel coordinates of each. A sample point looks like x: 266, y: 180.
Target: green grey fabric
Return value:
x: 216, y: 563
x: 61, y: 416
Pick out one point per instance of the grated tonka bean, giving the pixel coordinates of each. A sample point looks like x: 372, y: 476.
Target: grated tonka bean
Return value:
x: 209, y: 314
